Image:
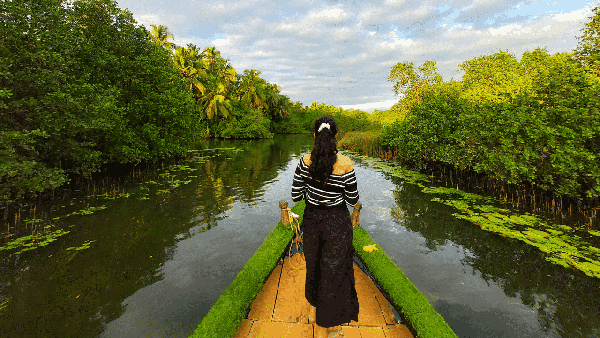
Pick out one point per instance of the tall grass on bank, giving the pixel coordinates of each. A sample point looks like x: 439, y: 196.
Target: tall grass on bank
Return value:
x: 366, y: 143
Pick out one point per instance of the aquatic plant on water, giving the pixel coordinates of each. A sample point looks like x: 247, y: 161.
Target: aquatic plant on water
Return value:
x: 34, y: 241
x: 556, y: 241
x: 85, y: 245
x: 46, y: 236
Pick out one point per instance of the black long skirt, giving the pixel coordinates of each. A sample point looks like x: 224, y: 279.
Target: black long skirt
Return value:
x: 327, y: 244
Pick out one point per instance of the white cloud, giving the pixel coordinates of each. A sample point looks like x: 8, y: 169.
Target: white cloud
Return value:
x: 574, y: 16
x: 147, y: 20
x: 286, y: 27
x: 227, y: 42
x: 504, y: 30
x: 396, y: 44
x: 343, y: 33
x: 342, y: 53
x: 460, y: 26
x: 395, y: 3
x: 183, y: 41
x: 261, y: 53
x: 329, y: 15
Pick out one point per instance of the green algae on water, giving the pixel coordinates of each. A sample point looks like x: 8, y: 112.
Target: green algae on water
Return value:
x: 559, y: 248
x: 410, y: 176
x: 85, y: 245
x: 33, y: 241
x: 87, y: 211
x: 553, y: 240
x: 4, y: 304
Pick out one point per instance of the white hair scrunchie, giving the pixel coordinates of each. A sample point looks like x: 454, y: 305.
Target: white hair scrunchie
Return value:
x: 324, y: 125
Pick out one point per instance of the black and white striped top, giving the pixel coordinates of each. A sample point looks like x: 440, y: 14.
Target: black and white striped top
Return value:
x: 338, y: 188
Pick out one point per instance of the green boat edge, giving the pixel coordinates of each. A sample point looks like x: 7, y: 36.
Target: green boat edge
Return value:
x: 230, y: 309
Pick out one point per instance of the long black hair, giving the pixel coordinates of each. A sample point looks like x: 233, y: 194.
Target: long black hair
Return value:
x: 324, y: 154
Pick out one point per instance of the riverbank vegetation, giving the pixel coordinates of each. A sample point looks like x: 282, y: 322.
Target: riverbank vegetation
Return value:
x: 532, y: 122
x: 82, y: 85
x: 570, y: 247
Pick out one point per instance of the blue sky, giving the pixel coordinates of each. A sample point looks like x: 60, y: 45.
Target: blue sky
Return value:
x: 340, y: 52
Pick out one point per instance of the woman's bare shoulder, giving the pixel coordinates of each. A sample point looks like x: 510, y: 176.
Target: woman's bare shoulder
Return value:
x: 343, y: 158
x: 345, y: 163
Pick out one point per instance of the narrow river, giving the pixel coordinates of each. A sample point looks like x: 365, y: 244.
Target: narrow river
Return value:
x: 156, y: 254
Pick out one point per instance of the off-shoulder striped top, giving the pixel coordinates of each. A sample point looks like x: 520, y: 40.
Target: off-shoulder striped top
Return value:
x: 338, y: 188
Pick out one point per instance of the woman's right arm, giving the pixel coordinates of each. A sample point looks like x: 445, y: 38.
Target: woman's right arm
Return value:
x: 298, y: 185
x: 351, y: 187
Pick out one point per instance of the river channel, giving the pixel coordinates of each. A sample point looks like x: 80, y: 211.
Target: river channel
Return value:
x: 150, y: 258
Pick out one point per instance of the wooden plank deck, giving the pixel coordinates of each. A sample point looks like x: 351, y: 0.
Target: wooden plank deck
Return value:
x: 281, y: 310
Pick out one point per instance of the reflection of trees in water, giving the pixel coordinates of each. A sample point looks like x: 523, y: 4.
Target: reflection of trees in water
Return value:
x: 566, y: 297
x: 241, y: 175
x: 213, y: 196
x: 133, y: 239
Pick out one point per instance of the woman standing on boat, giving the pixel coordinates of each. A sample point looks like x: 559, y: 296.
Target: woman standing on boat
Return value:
x: 326, y: 181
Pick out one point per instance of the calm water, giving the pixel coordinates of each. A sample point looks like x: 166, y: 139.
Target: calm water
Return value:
x: 163, y: 255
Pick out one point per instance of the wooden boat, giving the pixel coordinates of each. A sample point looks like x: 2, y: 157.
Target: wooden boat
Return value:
x: 267, y: 297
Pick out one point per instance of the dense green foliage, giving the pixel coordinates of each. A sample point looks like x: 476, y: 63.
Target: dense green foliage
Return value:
x: 302, y: 119
x: 296, y: 123
x: 409, y: 82
x: 543, y: 128
x: 82, y: 85
x: 230, y: 105
x: 588, y: 49
x: 429, y: 134
x: 244, y: 126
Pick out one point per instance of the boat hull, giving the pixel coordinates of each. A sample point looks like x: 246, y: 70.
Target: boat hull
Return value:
x: 229, y: 315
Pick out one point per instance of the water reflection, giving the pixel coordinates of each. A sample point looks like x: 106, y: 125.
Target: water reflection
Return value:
x: 155, y: 269
x: 149, y: 271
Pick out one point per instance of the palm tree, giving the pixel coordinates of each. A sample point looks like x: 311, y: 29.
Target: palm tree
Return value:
x: 159, y: 35
x: 278, y: 104
x: 188, y: 62
x: 253, y: 88
x: 215, y: 102
x: 220, y: 82
x: 207, y: 76
x: 215, y: 64
x: 279, y: 110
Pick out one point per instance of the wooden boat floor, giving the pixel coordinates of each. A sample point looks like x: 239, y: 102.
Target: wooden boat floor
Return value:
x: 281, y: 310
